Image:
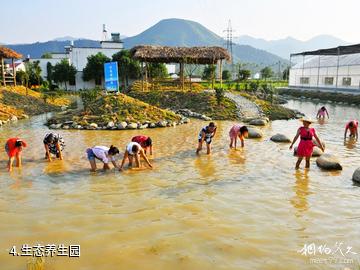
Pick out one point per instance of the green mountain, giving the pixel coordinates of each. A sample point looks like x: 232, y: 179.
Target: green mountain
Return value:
x: 179, y: 32
x: 168, y: 32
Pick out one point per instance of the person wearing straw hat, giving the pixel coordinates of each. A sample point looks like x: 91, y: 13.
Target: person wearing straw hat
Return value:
x: 306, y: 145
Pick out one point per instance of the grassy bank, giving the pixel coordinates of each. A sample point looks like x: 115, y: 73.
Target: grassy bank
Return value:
x: 102, y: 109
x: 321, y: 95
x: 273, y: 111
x: 244, y: 85
x: 19, y: 101
x: 200, y: 102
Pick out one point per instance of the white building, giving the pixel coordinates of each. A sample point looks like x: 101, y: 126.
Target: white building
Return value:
x: 328, y: 69
x: 77, y: 56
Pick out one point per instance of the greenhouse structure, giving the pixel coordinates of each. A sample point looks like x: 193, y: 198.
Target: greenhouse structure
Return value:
x: 329, y: 69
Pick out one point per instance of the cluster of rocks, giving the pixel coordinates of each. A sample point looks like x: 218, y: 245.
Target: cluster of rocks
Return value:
x: 262, y: 121
x: 188, y: 113
x: 111, y: 125
x: 13, y: 119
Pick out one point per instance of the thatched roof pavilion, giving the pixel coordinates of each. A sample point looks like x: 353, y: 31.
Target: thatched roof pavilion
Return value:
x: 6, y: 53
x: 181, y: 55
x: 188, y: 55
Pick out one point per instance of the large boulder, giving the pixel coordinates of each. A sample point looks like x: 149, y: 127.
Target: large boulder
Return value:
x: 258, y: 122
x: 132, y: 126
x: 110, y: 124
x: 356, y: 175
x: 281, y: 138
x: 328, y: 162
x: 316, y: 152
x: 122, y: 125
x: 161, y: 124
x: 316, y: 143
x: 93, y: 126
x: 254, y: 133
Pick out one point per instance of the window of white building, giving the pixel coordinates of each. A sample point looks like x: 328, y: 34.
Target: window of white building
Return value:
x: 329, y: 80
x: 304, y: 80
x: 346, y: 81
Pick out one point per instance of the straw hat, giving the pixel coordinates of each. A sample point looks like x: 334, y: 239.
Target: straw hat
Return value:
x: 307, y: 119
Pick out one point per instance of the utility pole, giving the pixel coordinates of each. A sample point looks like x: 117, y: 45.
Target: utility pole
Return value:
x: 229, y: 43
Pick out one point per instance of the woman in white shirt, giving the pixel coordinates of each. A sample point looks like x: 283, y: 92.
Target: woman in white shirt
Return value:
x: 104, y: 154
x: 134, y: 150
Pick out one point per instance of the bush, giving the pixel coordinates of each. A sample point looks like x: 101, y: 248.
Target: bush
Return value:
x: 220, y: 95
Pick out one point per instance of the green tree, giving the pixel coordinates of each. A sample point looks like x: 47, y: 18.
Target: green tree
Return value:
x: 226, y: 75
x: 49, y: 71
x: 94, y: 69
x: 266, y: 73
x: 157, y: 70
x: 64, y: 72
x: 46, y: 55
x: 33, y: 72
x: 286, y: 74
x: 22, y: 77
x: 209, y: 72
x: 243, y: 74
x: 128, y: 68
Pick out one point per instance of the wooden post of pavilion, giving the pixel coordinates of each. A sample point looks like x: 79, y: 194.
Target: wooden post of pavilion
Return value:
x: 182, y: 75
x: 212, y: 76
x: 146, y: 76
x: 220, y: 71
x: 14, y: 70
x: 142, y: 76
x: 3, y: 71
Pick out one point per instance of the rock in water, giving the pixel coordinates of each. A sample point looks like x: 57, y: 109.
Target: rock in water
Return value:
x: 328, y: 162
x: 280, y: 138
x: 132, y: 126
x: 13, y: 118
x: 254, y: 133
x: 93, y: 126
x: 316, y: 152
x: 122, y: 125
x: 111, y: 124
x: 162, y: 124
x: 356, y: 175
x: 258, y: 122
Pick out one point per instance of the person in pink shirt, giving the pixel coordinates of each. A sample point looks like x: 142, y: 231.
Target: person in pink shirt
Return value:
x: 238, y: 131
x: 322, y: 112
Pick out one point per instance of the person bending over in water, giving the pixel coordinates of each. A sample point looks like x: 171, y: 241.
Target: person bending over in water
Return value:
x: 104, y: 154
x: 238, y: 131
x: 145, y: 142
x: 134, y: 150
x: 206, y: 134
x: 13, y: 148
x: 54, y: 145
x: 306, y: 145
x: 352, y: 126
x: 321, y: 113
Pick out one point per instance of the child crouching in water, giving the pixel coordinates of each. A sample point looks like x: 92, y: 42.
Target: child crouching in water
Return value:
x: 238, y: 131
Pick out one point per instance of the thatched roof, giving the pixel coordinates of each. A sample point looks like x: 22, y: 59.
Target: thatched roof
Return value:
x: 189, y: 55
x: 9, y: 53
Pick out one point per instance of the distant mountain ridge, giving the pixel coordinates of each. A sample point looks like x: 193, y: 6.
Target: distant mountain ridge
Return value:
x: 168, y: 32
x: 284, y: 47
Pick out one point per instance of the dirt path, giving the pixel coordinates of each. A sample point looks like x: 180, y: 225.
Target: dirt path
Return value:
x: 246, y: 108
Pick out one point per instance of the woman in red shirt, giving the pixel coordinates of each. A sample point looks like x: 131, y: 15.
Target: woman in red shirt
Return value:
x: 145, y: 142
x: 352, y: 126
x: 13, y: 148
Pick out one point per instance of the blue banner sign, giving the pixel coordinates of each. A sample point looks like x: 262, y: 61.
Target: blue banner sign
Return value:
x: 111, y: 76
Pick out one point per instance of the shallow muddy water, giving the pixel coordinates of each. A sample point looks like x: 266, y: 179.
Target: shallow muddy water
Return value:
x: 245, y: 209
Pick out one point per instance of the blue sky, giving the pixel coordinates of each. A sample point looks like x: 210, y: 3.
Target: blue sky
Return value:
x: 42, y: 20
